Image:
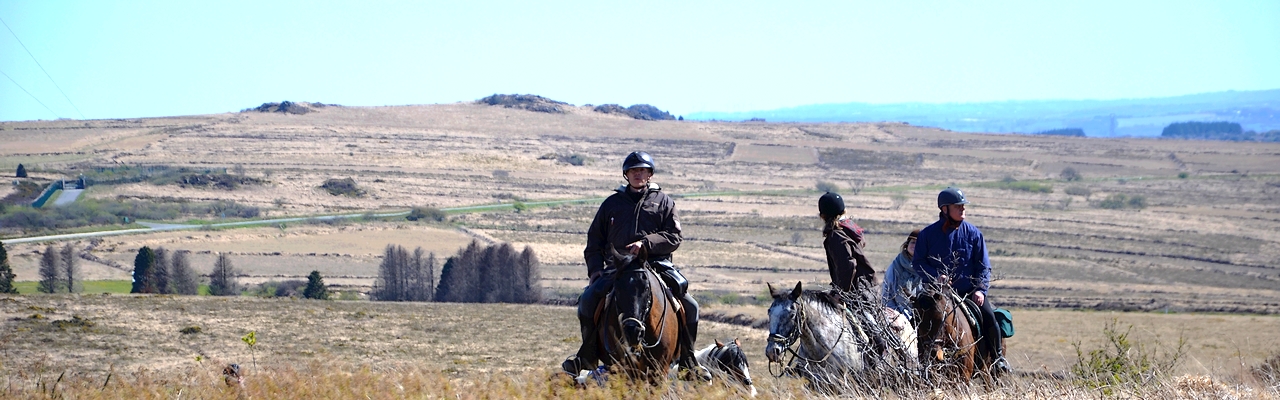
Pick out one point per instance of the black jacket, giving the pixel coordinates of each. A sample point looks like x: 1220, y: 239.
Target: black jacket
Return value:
x: 621, y: 221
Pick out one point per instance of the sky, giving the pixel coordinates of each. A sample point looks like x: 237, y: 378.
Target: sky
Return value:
x: 124, y: 59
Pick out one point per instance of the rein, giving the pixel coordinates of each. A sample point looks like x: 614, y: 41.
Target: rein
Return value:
x: 787, y: 342
x: 645, y: 271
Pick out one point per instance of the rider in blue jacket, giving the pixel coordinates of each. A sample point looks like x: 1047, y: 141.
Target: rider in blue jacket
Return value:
x: 953, y: 249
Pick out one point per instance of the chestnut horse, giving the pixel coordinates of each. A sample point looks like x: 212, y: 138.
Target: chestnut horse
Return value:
x: 640, y: 322
x: 947, y: 342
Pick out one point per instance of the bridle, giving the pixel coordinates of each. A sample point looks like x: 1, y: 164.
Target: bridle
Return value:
x: 787, y: 342
x: 644, y: 271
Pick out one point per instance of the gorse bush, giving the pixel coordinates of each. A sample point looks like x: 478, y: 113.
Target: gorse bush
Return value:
x: 1120, y: 201
x: 1024, y: 186
x: 342, y: 187
x: 1078, y: 191
x: 824, y: 186
x: 427, y: 214
x: 1124, y: 360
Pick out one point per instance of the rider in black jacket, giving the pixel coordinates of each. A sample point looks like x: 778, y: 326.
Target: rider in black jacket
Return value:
x: 639, y: 219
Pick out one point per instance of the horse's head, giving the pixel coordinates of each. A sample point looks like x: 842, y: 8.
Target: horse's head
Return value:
x: 632, y: 296
x: 733, y: 360
x: 784, y: 321
x: 931, y: 304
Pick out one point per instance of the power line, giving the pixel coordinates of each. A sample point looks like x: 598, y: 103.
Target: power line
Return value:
x: 33, y: 97
x: 46, y: 73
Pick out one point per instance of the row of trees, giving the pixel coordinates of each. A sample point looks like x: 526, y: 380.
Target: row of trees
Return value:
x: 6, y: 273
x: 477, y: 274
x: 59, y: 270
x: 156, y: 271
x: 491, y: 274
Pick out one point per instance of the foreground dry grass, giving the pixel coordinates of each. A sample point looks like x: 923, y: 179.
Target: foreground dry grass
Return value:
x: 346, y: 381
x: 348, y: 349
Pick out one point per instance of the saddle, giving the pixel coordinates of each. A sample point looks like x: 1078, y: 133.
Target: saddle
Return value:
x: 1004, y: 318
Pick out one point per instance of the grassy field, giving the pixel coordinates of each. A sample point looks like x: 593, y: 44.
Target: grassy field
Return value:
x: 1202, y: 245
x: 433, y: 348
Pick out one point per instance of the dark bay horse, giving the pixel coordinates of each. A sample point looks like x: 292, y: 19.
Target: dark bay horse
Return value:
x: 640, y: 322
x: 947, y: 342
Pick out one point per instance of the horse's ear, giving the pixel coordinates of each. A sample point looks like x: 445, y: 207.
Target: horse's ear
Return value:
x: 772, y: 292
x: 736, y: 342
x: 719, y: 344
x: 795, y: 293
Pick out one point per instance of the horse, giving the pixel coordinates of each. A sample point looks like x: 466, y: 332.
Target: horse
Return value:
x: 831, y: 342
x: 639, y: 323
x: 728, y: 360
x: 947, y: 342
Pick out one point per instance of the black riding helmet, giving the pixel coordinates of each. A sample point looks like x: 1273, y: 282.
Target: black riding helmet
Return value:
x: 951, y: 196
x: 638, y: 159
x: 831, y: 204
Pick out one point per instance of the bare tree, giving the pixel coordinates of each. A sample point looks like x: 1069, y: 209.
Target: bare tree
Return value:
x: 531, y: 276
x: 70, y: 267
x: 160, y: 272
x: 183, y: 277
x: 223, y: 280
x: 49, y: 279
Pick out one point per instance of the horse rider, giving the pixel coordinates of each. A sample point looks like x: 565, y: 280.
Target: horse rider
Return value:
x: 899, y: 278
x: 843, y: 241
x: 639, y: 219
x: 953, y: 248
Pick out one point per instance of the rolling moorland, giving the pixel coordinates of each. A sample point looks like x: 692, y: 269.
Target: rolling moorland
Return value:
x: 1193, y: 243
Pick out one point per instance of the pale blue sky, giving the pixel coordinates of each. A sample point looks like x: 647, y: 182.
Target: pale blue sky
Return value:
x: 117, y: 59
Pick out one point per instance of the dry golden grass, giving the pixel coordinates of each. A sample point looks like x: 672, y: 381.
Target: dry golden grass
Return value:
x: 337, y: 349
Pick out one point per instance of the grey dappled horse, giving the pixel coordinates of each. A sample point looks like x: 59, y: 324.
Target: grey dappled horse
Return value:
x: 828, y: 348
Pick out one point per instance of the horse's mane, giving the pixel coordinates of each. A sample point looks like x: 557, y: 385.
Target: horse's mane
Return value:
x: 823, y: 298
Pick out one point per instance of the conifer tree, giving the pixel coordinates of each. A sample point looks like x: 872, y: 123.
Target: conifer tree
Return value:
x: 316, y: 288
x: 183, y: 277
x: 49, y: 278
x: 160, y: 272
x: 6, y: 273
x: 142, y: 263
x: 22, y: 171
x: 70, y: 265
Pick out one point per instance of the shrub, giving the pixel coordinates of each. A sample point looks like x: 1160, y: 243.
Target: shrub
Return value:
x: 1078, y: 191
x: 1025, y: 186
x: 342, y: 187
x: 190, y: 330
x: 573, y: 159
x: 1113, y: 202
x: 1119, y: 201
x: 427, y: 213
x: 1124, y: 360
x: 22, y: 171
x: 501, y: 174
x: 1183, y: 175
x: 1138, y: 202
x: 824, y: 186
x: 1063, y: 132
x: 1070, y: 174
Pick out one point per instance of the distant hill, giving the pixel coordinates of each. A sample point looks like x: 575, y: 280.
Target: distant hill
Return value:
x: 1253, y: 110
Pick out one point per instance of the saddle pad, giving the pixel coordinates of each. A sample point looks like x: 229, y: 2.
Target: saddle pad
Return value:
x: 1004, y: 319
x: 971, y: 310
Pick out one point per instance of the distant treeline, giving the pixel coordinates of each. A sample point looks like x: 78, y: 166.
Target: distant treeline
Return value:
x: 1217, y: 131
x: 477, y: 274
x: 1063, y: 132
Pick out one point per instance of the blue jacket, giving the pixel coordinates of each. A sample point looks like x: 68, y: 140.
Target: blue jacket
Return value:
x: 961, y: 254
